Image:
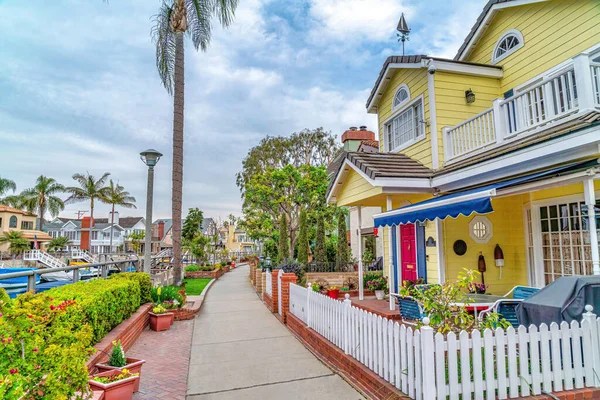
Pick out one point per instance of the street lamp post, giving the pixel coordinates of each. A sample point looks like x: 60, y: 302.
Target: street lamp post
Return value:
x: 150, y: 157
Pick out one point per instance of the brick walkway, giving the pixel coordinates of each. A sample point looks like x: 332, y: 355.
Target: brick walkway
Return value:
x: 167, y: 355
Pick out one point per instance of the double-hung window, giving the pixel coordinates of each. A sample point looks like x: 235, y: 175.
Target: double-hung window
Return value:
x: 406, y: 127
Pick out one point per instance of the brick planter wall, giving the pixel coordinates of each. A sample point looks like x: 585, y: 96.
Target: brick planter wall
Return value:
x: 268, y: 302
x: 127, y: 332
x: 214, y: 274
x: 275, y: 291
x: 362, y: 378
x: 286, y: 279
x: 226, y: 268
x: 258, y: 281
x: 187, y: 312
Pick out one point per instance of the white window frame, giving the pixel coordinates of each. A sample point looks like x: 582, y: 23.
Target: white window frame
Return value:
x: 480, y: 219
x: 398, y: 106
x: 399, y: 111
x: 538, y: 262
x: 511, y: 32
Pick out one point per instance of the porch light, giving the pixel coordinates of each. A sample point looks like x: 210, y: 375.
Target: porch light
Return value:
x: 150, y: 157
x: 470, y: 96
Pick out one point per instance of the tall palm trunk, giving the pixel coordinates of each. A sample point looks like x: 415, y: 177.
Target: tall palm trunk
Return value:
x: 177, y: 195
x: 42, y: 212
x: 112, y: 224
x: 91, y: 225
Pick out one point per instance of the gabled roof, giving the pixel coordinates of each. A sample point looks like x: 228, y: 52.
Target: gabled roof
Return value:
x: 393, y: 63
x: 380, y: 169
x: 485, y: 18
x: 13, y: 210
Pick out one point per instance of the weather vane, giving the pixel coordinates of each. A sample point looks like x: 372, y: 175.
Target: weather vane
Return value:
x: 403, y: 31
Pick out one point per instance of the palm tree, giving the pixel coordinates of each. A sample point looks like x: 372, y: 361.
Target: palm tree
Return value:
x: 58, y: 243
x: 5, y: 186
x: 17, y: 243
x: 175, y: 18
x: 41, y: 198
x: 91, y: 189
x: 117, y: 196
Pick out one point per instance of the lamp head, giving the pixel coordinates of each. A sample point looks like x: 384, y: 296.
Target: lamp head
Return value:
x: 150, y: 157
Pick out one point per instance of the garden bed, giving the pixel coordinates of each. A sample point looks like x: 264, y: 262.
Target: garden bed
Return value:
x: 214, y: 274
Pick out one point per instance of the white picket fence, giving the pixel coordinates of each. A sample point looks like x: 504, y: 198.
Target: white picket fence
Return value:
x: 427, y: 365
x: 269, y: 283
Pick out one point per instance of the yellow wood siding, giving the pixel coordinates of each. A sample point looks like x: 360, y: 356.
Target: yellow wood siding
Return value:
x: 355, y: 188
x: 431, y: 253
x: 553, y: 32
x: 416, y: 80
x: 508, y: 232
x: 451, y: 104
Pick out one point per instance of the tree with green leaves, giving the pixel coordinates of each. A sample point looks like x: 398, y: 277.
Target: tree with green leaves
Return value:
x: 136, y: 239
x: 42, y: 198
x: 116, y: 195
x: 193, y: 224
x: 284, y: 242
x: 343, y: 254
x: 5, y: 186
x: 58, y: 243
x: 320, y: 253
x: 174, y: 19
x: 17, y: 244
x: 303, y: 244
x: 89, y: 189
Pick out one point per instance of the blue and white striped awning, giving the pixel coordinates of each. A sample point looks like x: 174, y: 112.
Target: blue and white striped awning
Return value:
x: 467, y: 202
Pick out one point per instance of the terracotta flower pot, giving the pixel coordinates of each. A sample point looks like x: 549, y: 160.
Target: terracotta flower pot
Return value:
x: 119, y: 390
x: 160, y: 322
x: 133, y: 365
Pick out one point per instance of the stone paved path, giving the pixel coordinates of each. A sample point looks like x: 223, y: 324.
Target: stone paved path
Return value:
x: 241, y: 351
x: 167, y: 356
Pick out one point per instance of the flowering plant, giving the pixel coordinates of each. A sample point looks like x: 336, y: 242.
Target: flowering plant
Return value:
x: 378, y: 284
x: 333, y: 288
x: 477, y: 287
x: 159, y: 309
x: 125, y: 373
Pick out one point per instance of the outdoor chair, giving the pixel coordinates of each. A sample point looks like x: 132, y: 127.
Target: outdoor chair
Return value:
x: 521, y: 292
x: 410, y: 309
x: 507, y: 308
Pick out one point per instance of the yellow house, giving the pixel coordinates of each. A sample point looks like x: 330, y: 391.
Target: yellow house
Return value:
x: 498, y: 146
x: 13, y: 219
x: 236, y: 240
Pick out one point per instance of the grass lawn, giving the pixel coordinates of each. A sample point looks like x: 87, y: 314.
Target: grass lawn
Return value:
x: 195, y: 286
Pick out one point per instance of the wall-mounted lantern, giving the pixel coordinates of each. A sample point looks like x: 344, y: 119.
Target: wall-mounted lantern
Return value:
x: 470, y: 96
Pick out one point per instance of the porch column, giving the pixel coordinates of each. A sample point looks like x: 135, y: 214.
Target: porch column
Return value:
x: 392, y: 278
x: 439, y: 233
x: 361, y: 289
x: 590, y: 202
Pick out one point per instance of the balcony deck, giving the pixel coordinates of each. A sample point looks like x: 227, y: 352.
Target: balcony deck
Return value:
x: 377, y: 307
x: 549, y: 102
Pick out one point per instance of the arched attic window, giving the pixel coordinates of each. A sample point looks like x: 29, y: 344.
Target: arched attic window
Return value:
x: 508, y: 43
x: 401, y: 97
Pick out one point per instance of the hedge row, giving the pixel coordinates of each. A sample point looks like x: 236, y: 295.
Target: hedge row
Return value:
x: 144, y: 281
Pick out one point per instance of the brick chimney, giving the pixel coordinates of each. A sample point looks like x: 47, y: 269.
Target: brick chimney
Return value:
x: 161, y: 230
x: 352, y: 137
x: 84, y: 241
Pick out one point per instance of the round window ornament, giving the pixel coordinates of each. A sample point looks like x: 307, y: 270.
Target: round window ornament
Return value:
x: 460, y: 247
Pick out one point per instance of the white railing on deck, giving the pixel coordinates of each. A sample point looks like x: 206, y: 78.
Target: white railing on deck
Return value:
x: 595, y: 69
x: 269, y: 283
x: 428, y: 365
x: 44, y: 258
x: 473, y: 134
x: 547, y: 101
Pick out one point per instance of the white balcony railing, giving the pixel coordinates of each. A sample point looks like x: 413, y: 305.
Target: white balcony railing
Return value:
x: 557, y: 96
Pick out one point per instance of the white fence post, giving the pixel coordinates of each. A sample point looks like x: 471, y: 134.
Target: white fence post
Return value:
x: 346, y: 324
x: 308, y: 290
x: 499, y: 121
x: 592, y: 354
x: 428, y: 361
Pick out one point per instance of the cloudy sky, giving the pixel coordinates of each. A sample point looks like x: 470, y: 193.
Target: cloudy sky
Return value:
x: 79, y: 89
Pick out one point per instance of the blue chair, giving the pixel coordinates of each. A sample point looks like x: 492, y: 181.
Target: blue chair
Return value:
x: 522, y: 292
x: 410, y: 309
x: 507, y: 308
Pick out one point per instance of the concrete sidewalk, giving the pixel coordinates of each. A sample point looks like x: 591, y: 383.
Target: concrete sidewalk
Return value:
x: 241, y: 351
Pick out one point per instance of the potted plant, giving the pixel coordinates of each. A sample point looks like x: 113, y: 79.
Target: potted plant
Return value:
x: 160, y: 319
x: 117, y: 360
x: 379, y: 286
x: 333, y: 292
x: 478, y: 288
x: 116, y: 384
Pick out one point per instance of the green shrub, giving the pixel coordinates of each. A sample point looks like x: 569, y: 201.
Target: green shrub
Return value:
x: 144, y: 281
x: 45, y: 347
x: 192, y: 268
x: 102, y: 303
x: 170, y: 296
x: 117, y: 355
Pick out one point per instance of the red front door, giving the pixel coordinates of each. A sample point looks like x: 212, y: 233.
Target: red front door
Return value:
x: 408, y: 252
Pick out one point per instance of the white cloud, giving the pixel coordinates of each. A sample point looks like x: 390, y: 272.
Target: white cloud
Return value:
x: 352, y: 20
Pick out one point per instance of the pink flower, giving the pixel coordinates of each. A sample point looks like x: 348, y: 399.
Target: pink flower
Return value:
x: 35, y: 350
x: 52, y: 307
x: 14, y: 371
